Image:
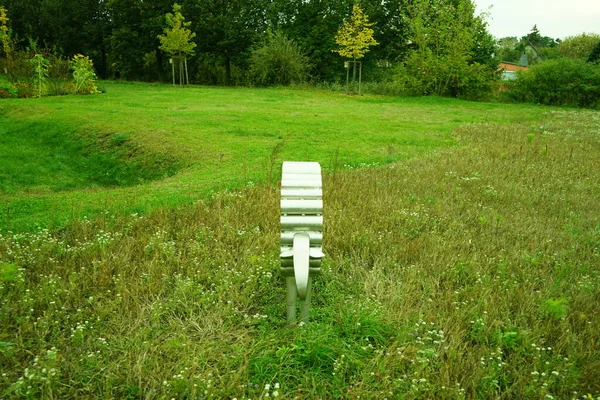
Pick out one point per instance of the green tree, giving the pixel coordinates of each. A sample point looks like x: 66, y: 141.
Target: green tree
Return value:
x: 226, y: 31
x: 177, y: 40
x: 594, y: 56
x: 442, y: 61
x: 133, y: 50
x: 313, y: 25
x: 579, y: 47
x: 508, y: 49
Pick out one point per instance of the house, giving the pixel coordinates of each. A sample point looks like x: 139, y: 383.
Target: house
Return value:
x: 509, y: 69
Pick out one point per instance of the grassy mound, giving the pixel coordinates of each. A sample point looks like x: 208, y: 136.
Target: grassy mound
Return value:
x: 469, y: 273
x: 46, y: 156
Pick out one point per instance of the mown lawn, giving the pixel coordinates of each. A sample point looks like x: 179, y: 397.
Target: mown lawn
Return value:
x: 139, y: 147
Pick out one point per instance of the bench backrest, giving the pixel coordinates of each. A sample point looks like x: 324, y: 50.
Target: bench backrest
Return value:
x: 301, y: 211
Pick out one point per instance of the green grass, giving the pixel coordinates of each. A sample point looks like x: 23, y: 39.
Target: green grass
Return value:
x: 465, y: 269
x: 108, y: 153
x: 467, y: 273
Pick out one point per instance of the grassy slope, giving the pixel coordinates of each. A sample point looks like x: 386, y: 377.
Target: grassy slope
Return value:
x: 471, y: 272
x: 223, y: 137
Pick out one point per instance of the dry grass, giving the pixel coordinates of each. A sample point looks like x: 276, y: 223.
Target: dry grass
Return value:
x: 469, y: 273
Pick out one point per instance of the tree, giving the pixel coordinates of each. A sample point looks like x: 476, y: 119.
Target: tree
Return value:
x: 4, y: 36
x: 227, y: 30
x: 442, y: 61
x: 355, y: 36
x: 578, y: 47
x: 534, y: 38
x: 594, y: 56
x: 313, y: 25
x: 177, y: 41
x: 507, y: 49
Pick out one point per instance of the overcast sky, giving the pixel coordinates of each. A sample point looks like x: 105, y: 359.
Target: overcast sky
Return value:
x: 554, y: 18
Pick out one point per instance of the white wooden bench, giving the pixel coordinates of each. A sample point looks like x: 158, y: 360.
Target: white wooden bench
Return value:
x: 301, y: 232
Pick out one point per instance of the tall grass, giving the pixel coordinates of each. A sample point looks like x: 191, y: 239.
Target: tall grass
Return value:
x: 468, y: 273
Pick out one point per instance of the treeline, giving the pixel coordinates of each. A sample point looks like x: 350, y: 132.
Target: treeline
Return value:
x: 121, y: 36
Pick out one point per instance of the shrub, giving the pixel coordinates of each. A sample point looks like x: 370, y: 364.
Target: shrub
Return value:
x: 25, y: 90
x: 40, y: 66
x: 59, y: 76
x: 279, y: 61
x: 561, y: 82
x: 84, y: 75
x: 7, y: 90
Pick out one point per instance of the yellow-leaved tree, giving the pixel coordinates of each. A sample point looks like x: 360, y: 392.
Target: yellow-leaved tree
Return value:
x: 355, y: 36
x: 4, y: 37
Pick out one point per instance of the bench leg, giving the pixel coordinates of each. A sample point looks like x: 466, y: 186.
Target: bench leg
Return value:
x: 292, y: 296
x: 305, y: 304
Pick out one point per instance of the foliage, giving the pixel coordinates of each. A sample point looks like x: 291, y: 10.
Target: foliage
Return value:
x: 279, y: 61
x: 441, y: 62
x: 227, y: 30
x: 84, y: 75
x: 594, y: 56
x: 5, y: 39
x: 7, y: 90
x: 355, y: 36
x: 177, y: 38
x: 60, y: 76
x: 509, y: 49
x: 561, y: 82
x: 536, y: 39
x: 579, y: 47
x: 41, y: 67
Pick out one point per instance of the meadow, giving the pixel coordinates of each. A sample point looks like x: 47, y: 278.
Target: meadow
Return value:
x: 462, y: 246
x: 139, y: 147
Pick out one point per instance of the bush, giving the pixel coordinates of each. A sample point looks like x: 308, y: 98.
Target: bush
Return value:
x: 464, y: 81
x: 7, y: 90
x: 561, y: 82
x: 279, y: 61
x: 59, y: 76
x: 84, y: 75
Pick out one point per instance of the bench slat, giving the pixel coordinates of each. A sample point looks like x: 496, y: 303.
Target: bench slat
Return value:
x: 300, y: 183
x: 301, y: 206
x: 301, y: 223
x: 287, y: 238
x: 308, y: 194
